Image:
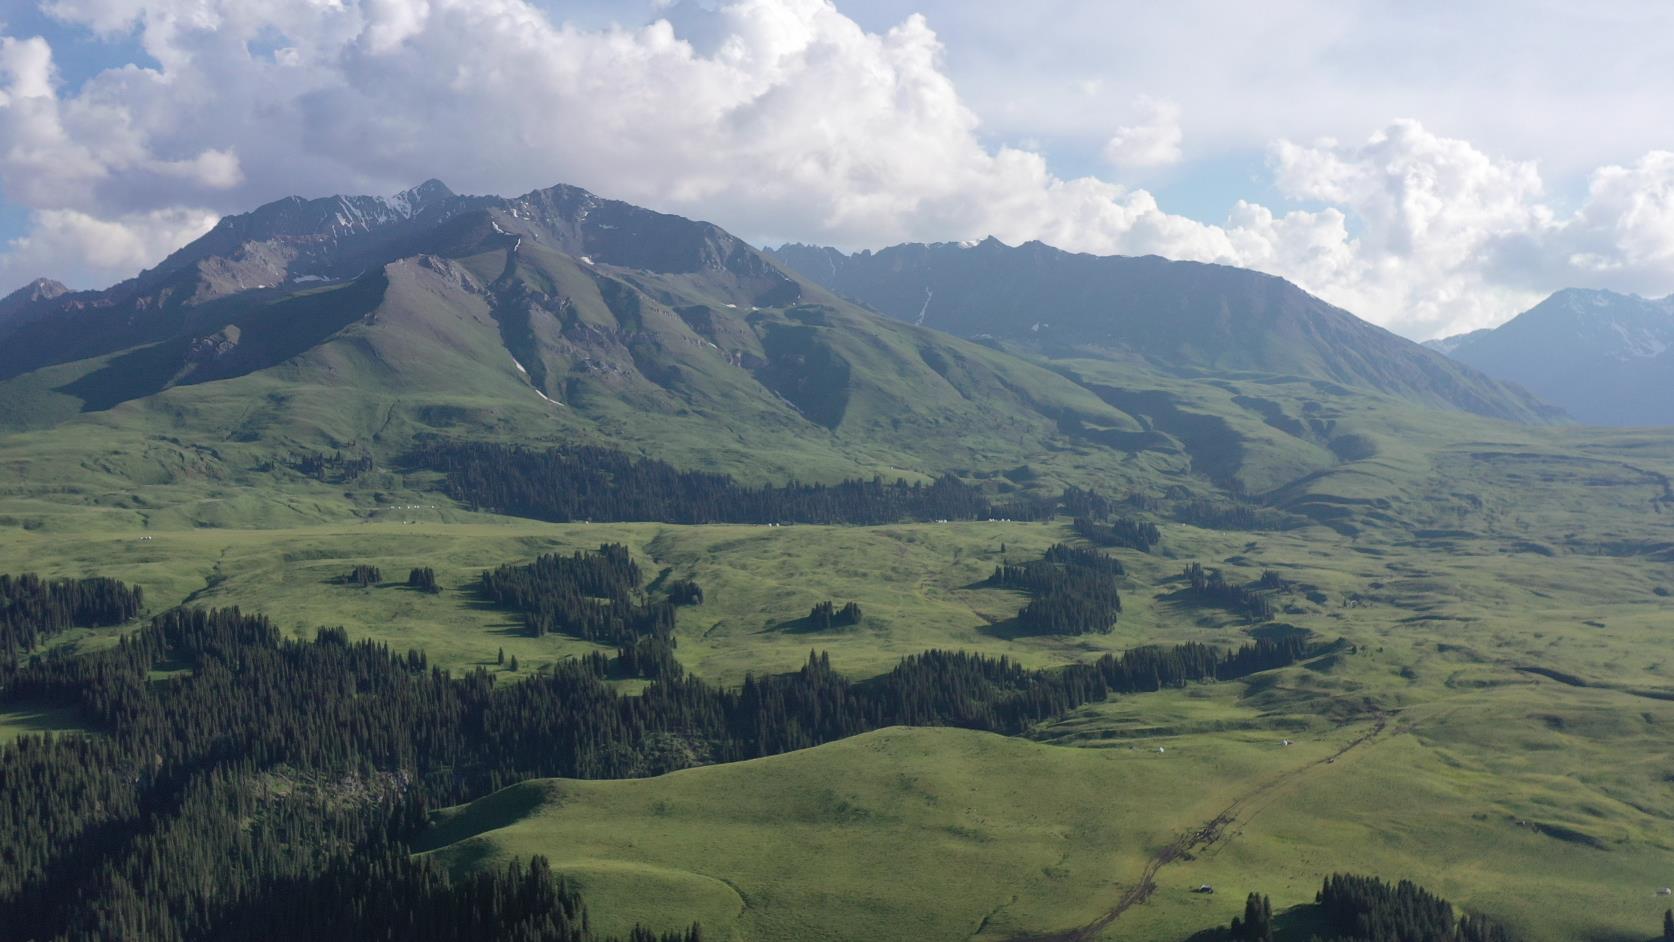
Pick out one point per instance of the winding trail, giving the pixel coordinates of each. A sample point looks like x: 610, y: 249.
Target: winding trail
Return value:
x: 1203, y: 837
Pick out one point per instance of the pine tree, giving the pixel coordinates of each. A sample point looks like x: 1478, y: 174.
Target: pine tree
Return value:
x: 1257, y: 924
x: 1668, y: 926
x: 513, y: 665
x: 502, y: 659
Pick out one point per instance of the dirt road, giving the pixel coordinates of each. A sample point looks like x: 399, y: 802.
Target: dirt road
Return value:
x: 1203, y: 837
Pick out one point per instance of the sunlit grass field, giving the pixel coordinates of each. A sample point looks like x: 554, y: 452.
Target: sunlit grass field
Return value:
x: 1544, y: 804
x: 1452, y: 555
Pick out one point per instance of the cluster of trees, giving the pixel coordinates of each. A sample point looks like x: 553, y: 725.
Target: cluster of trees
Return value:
x: 685, y: 592
x: 1152, y: 668
x: 588, y: 483
x: 1234, y: 514
x: 1073, y: 591
x: 1080, y: 502
x: 1257, y: 922
x: 1214, y: 515
x: 1252, y: 602
x: 1668, y: 925
x: 363, y: 576
x: 1366, y: 909
x: 423, y: 578
x: 332, y: 468
x: 33, y: 609
x: 1098, y: 521
x: 1119, y: 531
x: 826, y: 616
x: 590, y: 595
x: 649, y: 658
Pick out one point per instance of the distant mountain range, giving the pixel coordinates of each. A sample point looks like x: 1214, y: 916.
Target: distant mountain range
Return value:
x: 1187, y: 317
x: 554, y: 316
x: 375, y: 325
x: 1605, y: 358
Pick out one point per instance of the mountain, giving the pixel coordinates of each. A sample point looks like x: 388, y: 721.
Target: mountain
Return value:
x: 553, y: 316
x: 1192, y: 318
x: 29, y: 303
x: 373, y: 326
x: 1604, y: 357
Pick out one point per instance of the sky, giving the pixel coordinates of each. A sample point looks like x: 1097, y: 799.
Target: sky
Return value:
x: 1433, y: 167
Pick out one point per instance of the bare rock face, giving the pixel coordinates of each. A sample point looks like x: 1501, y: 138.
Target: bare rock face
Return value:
x: 214, y: 347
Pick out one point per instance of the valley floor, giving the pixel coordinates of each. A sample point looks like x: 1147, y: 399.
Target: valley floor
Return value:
x: 1509, y: 731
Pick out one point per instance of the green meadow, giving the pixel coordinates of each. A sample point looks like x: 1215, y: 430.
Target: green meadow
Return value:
x: 1543, y: 803
x: 1503, y: 593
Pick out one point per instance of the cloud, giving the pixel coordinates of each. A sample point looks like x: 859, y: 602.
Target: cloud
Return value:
x: 1450, y: 238
x: 780, y: 119
x: 1153, y: 143
x: 1626, y: 230
x: 120, y: 244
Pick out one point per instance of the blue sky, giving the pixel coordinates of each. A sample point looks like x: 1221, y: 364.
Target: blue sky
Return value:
x: 1431, y: 166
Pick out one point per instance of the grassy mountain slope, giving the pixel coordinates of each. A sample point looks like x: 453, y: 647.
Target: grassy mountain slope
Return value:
x: 535, y: 319
x: 1182, y: 316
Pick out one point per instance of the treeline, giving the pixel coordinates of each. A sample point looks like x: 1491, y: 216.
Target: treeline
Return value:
x: 1218, y: 515
x: 33, y: 609
x: 1073, y: 590
x: 397, y: 896
x: 590, y: 595
x: 1366, y: 909
x: 594, y: 483
x: 589, y: 483
x: 1212, y: 587
x: 1221, y: 514
x: 1151, y: 668
x: 335, y: 468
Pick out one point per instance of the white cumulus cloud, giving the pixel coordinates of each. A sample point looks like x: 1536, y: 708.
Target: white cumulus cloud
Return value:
x: 1153, y: 142
x: 780, y: 119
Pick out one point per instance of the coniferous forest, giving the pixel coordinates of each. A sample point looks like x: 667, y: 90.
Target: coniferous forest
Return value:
x: 268, y: 781
x: 33, y: 609
x: 1212, y: 587
x: 588, y: 483
x: 1073, y: 591
x: 1119, y: 531
x: 1367, y: 909
x: 594, y: 596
